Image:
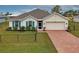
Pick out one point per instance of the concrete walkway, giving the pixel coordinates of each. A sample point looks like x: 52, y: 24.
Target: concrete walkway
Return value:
x: 64, y: 41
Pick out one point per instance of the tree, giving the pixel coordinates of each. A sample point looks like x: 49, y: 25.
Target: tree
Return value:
x: 56, y: 9
x: 7, y: 15
x: 71, y: 13
x: 1, y: 13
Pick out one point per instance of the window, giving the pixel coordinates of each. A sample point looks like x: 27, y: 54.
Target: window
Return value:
x: 30, y: 23
x: 26, y: 23
x: 17, y: 23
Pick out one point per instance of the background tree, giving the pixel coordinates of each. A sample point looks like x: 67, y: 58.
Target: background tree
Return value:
x: 71, y: 13
x: 56, y: 9
x: 7, y: 15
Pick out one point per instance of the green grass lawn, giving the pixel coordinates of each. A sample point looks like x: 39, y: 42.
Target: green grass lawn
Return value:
x: 26, y: 43
x: 76, y: 33
x: 14, y: 41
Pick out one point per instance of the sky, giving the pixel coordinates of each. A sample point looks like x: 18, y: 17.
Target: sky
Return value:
x: 18, y: 9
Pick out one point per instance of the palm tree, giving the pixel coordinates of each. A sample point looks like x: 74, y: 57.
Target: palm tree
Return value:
x: 7, y: 15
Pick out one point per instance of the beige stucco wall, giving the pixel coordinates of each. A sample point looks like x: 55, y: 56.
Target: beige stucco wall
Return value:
x: 55, y: 18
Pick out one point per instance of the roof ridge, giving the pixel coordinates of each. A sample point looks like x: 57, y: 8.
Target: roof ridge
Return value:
x: 37, y: 13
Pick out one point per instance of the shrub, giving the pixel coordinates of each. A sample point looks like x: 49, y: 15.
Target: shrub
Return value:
x: 33, y: 28
x: 22, y: 28
x: 69, y: 29
x: 9, y: 28
x: 15, y: 28
x: 28, y: 28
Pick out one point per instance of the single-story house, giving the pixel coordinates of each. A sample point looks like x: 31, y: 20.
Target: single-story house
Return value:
x: 76, y: 18
x: 40, y: 19
x: 2, y: 19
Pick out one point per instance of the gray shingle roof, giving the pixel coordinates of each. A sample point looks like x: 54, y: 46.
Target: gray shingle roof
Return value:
x: 37, y: 13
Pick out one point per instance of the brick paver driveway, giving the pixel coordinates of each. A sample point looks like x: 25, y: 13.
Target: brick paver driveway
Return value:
x: 64, y: 41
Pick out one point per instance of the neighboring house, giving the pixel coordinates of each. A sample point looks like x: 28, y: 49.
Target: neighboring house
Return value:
x: 76, y: 18
x: 41, y: 20
x: 2, y: 19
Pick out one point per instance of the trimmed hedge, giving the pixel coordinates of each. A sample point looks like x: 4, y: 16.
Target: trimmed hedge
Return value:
x: 21, y: 28
x: 9, y: 29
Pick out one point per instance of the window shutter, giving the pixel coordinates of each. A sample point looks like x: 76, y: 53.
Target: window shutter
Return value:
x: 13, y: 24
x: 33, y: 23
x: 26, y: 23
x: 19, y: 23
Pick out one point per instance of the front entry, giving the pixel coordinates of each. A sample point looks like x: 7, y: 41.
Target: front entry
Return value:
x: 40, y: 24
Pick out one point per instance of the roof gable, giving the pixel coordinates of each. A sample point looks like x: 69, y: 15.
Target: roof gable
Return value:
x: 37, y: 13
x: 54, y: 15
x: 29, y: 16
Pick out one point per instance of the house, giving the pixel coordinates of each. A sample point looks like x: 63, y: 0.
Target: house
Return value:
x: 2, y: 19
x: 76, y: 18
x: 40, y: 19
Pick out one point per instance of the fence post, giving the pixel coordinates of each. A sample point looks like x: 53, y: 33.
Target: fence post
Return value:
x: 0, y: 38
x: 17, y: 37
x: 74, y: 25
x: 36, y: 34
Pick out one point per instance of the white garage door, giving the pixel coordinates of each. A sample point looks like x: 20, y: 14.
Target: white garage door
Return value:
x: 55, y: 26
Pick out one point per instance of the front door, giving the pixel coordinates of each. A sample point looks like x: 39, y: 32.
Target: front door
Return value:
x: 40, y: 24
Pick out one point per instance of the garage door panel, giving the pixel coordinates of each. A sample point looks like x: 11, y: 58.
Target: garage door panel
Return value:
x: 55, y: 26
